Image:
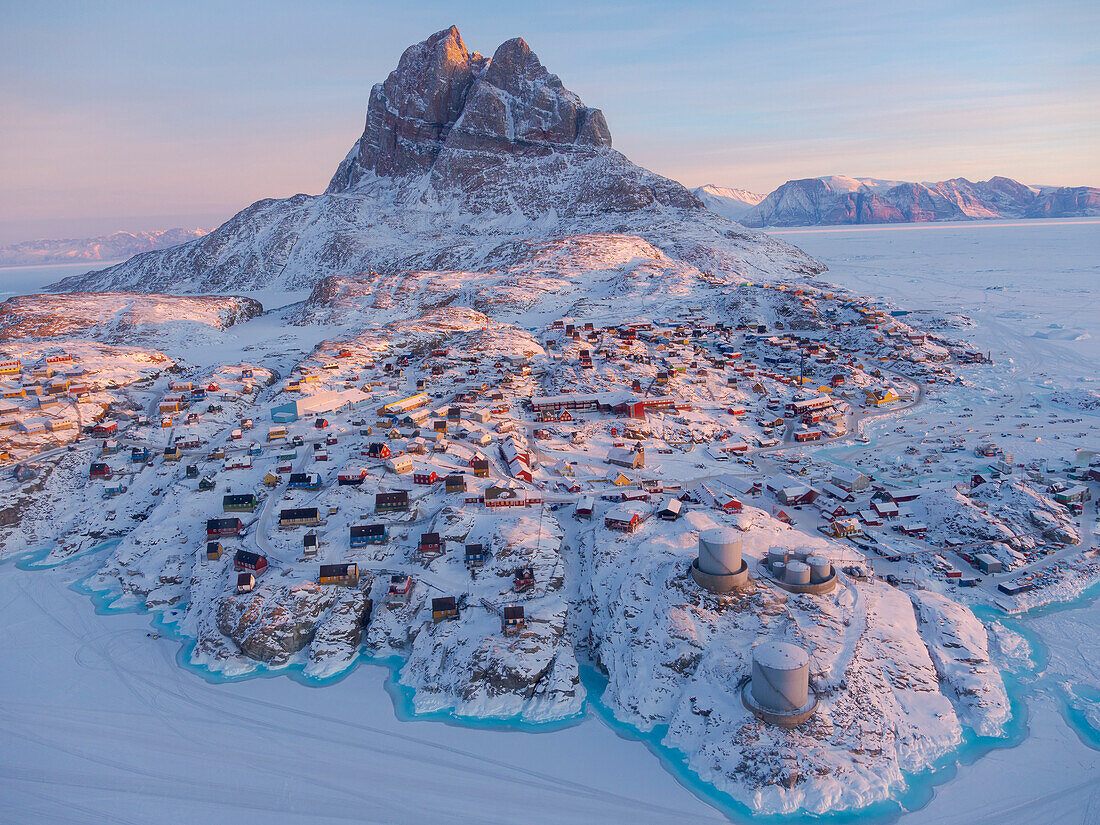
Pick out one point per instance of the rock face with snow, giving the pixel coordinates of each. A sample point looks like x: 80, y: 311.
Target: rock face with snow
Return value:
x: 844, y: 200
x: 459, y: 154
x: 271, y: 624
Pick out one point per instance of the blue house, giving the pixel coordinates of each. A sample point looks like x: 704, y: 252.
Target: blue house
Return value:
x: 364, y: 534
x: 476, y: 554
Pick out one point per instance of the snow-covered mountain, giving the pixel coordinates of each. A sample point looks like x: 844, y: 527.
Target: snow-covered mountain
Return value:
x: 842, y: 200
x: 112, y: 247
x: 459, y: 154
x: 729, y: 203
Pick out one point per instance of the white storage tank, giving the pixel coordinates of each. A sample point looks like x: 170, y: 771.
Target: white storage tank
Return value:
x: 820, y: 568
x: 779, y: 570
x: 780, y: 677
x: 776, y: 555
x: 720, y: 551
x: 798, y: 572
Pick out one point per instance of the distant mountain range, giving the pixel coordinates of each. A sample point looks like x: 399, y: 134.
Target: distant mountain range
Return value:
x: 116, y: 247
x: 839, y: 200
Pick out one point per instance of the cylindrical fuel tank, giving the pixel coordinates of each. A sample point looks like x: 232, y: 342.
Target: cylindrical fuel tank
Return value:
x: 720, y: 551
x: 820, y: 568
x: 798, y: 572
x: 780, y: 676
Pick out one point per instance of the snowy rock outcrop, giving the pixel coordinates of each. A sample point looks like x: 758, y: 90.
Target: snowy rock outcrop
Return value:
x: 959, y: 646
x: 274, y: 622
x: 886, y: 684
x: 116, y: 317
x: 1008, y: 512
x: 472, y: 669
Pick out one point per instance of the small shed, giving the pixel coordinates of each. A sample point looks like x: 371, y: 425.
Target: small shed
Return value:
x: 245, y: 582
x: 213, y: 550
x: 310, y: 543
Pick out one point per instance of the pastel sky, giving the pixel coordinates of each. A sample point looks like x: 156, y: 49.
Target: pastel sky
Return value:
x: 146, y: 115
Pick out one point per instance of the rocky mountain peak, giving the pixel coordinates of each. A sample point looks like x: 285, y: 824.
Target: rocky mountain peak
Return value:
x: 410, y: 113
x: 443, y: 96
x: 459, y: 153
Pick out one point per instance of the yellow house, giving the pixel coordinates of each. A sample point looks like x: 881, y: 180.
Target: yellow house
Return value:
x: 878, y: 397
x: 619, y: 480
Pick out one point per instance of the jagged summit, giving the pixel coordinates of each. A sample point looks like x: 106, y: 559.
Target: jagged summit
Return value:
x: 444, y: 100
x: 459, y: 155
x: 410, y: 114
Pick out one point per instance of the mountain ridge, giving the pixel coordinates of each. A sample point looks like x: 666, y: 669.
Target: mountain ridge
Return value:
x: 841, y: 200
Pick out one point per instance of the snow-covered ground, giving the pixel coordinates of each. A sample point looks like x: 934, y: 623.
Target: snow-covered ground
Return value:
x: 1031, y: 287
x: 907, y: 676
x: 24, y: 280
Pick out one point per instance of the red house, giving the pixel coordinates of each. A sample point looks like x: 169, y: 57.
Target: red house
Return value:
x: 424, y: 475
x: 245, y: 560
x: 623, y: 519
x: 99, y: 470
x: 378, y: 450
x: 430, y: 543
x: 885, y: 509
x: 105, y: 429
x: 524, y: 579
x: 229, y: 526
x: 729, y: 504
x: 352, y: 476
